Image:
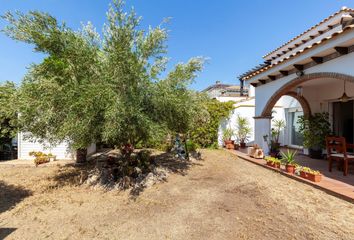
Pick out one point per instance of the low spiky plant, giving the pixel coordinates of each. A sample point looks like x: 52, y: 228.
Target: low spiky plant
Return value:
x: 288, y: 157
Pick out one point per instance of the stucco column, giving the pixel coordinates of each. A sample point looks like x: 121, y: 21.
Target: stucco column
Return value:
x: 262, y: 128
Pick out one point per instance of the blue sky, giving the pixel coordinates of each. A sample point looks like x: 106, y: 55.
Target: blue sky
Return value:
x: 233, y: 34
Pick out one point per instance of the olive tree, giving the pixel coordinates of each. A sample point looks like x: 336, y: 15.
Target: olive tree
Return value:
x: 8, y: 112
x: 92, y: 88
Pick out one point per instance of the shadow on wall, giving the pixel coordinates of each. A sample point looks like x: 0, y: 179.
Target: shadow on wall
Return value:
x: 10, y: 195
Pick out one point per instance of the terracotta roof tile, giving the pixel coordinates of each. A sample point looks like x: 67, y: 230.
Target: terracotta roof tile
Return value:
x: 343, y: 9
x: 298, y: 52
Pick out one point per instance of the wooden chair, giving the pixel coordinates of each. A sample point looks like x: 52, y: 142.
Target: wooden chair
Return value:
x: 337, y: 151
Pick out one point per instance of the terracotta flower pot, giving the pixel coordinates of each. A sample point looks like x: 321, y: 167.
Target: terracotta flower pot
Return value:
x: 290, y: 168
x: 311, y: 177
x: 229, y: 144
x: 243, y: 145
x: 273, y: 165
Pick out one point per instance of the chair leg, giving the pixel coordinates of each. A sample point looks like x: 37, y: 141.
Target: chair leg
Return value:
x: 339, y: 165
x: 345, y: 170
x: 330, y: 164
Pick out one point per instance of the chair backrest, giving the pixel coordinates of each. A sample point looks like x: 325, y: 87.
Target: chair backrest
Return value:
x: 336, y: 145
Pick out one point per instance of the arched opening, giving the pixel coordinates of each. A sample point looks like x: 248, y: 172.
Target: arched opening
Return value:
x: 320, y: 92
x: 285, y: 114
x: 290, y: 88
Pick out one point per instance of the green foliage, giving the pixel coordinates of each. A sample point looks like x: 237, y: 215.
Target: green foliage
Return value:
x: 227, y: 134
x: 311, y: 171
x: 273, y: 160
x: 192, y: 146
x: 315, y: 129
x: 8, y: 111
x: 40, y: 157
x: 92, y: 89
x: 288, y: 157
x: 277, y: 126
x: 205, y: 132
x: 243, y: 129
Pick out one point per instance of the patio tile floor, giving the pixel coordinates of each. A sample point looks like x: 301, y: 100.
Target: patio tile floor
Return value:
x: 333, y: 182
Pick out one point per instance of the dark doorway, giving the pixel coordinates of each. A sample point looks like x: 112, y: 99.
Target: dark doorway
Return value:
x: 343, y: 120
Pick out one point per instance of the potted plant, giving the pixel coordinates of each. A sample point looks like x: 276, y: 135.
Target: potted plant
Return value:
x: 243, y: 130
x: 272, y: 162
x: 227, y: 135
x: 39, y: 157
x: 277, y: 127
x: 310, y: 174
x: 289, y: 161
x: 315, y: 129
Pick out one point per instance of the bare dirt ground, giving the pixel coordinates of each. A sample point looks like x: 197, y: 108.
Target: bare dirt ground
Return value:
x: 220, y: 197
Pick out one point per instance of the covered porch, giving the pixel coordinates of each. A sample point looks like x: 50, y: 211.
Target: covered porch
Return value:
x: 317, y: 69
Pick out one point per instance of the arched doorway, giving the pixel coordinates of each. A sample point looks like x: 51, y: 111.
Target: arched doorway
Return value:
x: 285, y: 115
x: 321, y: 93
x: 289, y: 89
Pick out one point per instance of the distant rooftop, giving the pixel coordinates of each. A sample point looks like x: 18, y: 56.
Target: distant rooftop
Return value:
x: 225, y: 90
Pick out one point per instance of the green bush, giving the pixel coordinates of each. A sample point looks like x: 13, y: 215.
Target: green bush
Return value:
x: 205, y: 134
x: 192, y: 146
x: 315, y: 129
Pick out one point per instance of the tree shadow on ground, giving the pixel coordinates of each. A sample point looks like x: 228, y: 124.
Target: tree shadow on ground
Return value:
x: 70, y: 175
x: 10, y: 195
x: 5, y: 232
x: 76, y: 175
x: 171, y: 164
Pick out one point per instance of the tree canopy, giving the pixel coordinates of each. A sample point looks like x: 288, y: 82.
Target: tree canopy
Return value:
x: 92, y: 88
x: 8, y: 114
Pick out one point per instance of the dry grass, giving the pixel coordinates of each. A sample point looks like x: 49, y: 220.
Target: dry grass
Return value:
x: 219, y: 198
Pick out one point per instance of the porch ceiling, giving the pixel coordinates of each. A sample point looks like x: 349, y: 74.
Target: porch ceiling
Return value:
x: 322, y: 82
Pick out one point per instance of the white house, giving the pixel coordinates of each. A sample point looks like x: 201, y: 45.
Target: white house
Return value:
x: 245, y: 106
x: 316, y: 68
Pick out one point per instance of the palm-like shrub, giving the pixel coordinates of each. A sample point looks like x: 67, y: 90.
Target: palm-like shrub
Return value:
x: 227, y: 134
x: 243, y: 129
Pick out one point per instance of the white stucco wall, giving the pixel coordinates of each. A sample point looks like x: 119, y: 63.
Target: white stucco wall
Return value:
x: 25, y: 146
x: 247, y: 109
x: 343, y: 64
x: 321, y: 92
x: 227, y: 99
x: 62, y: 151
x: 317, y: 96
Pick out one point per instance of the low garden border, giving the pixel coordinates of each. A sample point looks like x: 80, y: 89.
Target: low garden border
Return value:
x: 293, y: 176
